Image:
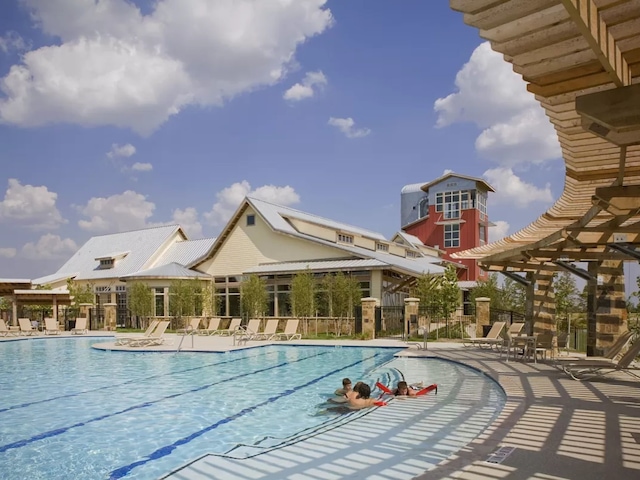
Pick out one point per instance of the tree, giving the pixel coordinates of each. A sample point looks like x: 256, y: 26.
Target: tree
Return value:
x: 40, y: 311
x: 303, y: 294
x: 254, y: 296
x: 514, y: 295
x: 209, y: 299
x: 184, y: 297
x: 424, y: 289
x: 448, y: 292
x: 489, y: 288
x: 79, y: 294
x: 140, y: 299
x: 566, y: 297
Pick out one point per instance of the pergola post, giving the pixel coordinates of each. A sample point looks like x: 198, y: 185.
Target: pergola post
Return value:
x: 606, y: 305
x: 544, y: 304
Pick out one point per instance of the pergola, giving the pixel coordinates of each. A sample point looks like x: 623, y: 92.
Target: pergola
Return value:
x: 579, y: 58
x: 20, y: 293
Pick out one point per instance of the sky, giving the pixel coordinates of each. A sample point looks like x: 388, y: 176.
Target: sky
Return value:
x: 124, y: 114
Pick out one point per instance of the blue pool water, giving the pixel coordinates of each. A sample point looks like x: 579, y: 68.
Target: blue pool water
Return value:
x: 70, y: 411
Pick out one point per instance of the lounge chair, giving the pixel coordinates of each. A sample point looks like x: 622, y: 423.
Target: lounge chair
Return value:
x: 491, y: 339
x: 233, y: 326
x: 248, y: 331
x: 51, y: 326
x: 155, y: 338
x: 269, y: 331
x: 126, y: 340
x: 613, y: 351
x: 81, y: 326
x: 212, y: 328
x: 4, y: 330
x: 192, y: 328
x: 26, y: 328
x: 290, y: 331
x: 588, y: 369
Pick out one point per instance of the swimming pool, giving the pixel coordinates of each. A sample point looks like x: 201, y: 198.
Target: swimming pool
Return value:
x: 70, y: 411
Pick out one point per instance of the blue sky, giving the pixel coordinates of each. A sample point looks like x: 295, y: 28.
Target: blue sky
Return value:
x: 116, y: 115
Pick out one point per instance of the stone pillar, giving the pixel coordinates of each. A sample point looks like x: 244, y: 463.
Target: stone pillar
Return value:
x: 410, y: 315
x: 14, y: 312
x: 606, y: 306
x: 369, y: 305
x: 482, y: 314
x: 110, y: 316
x: 544, y: 304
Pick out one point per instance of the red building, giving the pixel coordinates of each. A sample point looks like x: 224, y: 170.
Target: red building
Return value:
x: 449, y: 213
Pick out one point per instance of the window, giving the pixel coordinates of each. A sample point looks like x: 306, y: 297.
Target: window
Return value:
x: 345, y: 238
x: 251, y: 220
x: 482, y: 231
x: 452, y: 235
x: 482, y: 204
x: 382, y: 247
x: 107, y: 263
x: 449, y: 203
x: 411, y: 254
x: 423, y: 207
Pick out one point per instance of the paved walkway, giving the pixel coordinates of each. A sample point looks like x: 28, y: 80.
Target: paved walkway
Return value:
x: 552, y: 427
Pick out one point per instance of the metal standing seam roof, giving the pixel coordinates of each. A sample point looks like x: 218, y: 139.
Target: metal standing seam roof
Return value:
x: 169, y: 270
x: 187, y: 252
x: 275, y: 216
x: 564, y: 49
x: 141, y: 245
x: 319, y: 265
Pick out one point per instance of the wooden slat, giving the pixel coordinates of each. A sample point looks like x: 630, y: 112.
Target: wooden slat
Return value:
x: 587, y: 18
x: 580, y: 83
x: 526, y: 24
x: 506, y: 12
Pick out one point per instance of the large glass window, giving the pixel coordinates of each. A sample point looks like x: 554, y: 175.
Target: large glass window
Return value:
x: 452, y: 235
x: 482, y: 205
x: 482, y: 234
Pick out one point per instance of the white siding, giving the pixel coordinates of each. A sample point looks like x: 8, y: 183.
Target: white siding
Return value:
x: 249, y: 246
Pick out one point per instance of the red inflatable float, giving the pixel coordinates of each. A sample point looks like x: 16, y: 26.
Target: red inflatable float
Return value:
x: 424, y: 391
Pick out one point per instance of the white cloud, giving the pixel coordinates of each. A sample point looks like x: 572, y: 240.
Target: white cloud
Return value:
x: 498, y: 231
x: 491, y: 95
x: 305, y: 89
x: 12, y: 41
x: 188, y: 220
x: 8, y: 252
x: 49, y: 247
x: 141, y: 167
x: 33, y: 207
x: 116, y: 66
x: 347, y: 126
x: 230, y: 198
x: 121, y: 150
x: 117, y: 213
x: 512, y: 190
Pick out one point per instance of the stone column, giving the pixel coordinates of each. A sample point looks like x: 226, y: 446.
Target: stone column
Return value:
x: 369, y: 305
x: 110, y: 316
x: 606, y: 306
x: 544, y: 304
x: 84, y: 310
x: 410, y: 315
x: 482, y: 314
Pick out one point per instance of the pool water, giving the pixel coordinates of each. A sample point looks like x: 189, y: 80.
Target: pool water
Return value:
x: 70, y: 411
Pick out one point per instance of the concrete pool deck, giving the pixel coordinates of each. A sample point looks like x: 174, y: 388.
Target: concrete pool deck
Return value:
x: 552, y: 427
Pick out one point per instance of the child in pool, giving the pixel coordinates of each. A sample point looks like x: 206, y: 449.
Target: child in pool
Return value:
x: 346, y: 387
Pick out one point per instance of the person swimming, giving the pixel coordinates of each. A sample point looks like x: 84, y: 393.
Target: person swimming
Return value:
x: 346, y: 387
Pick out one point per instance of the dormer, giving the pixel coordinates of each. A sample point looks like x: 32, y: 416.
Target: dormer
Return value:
x: 109, y: 261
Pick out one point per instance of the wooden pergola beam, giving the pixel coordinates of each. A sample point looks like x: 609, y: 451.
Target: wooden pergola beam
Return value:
x: 588, y: 20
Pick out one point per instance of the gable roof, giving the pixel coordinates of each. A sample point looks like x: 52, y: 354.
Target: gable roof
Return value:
x: 446, y: 176
x: 142, y: 245
x: 276, y: 218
